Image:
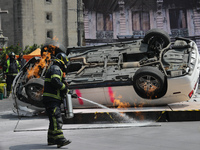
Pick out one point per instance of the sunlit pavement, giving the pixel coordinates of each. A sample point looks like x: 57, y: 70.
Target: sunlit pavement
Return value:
x: 30, y: 133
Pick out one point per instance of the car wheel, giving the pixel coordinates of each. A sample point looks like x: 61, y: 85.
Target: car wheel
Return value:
x: 34, y: 89
x: 156, y: 39
x: 148, y: 82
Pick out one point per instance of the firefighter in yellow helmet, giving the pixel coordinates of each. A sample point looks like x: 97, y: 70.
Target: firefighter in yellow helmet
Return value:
x: 53, y: 87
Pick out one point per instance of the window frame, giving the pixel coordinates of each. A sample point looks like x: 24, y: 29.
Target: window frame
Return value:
x: 141, y: 20
x: 50, y: 14
x: 177, y: 23
x: 49, y: 34
x: 48, y: 1
x: 105, y: 23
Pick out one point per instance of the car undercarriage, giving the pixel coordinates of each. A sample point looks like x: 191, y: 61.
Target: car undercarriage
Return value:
x: 144, y: 64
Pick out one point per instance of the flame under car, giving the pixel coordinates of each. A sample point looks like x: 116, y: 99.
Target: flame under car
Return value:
x: 151, y: 71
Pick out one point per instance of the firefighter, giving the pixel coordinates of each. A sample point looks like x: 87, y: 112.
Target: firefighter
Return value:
x: 21, y: 60
x: 52, y: 99
x: 11, y: 69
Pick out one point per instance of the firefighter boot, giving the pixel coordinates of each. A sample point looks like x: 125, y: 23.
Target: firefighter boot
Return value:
x: 51, y: 141
x: 63, y: 143
x: 8, y: 94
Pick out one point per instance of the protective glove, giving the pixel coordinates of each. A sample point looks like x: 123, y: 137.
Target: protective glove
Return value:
x: 65, y: 89
x: 63, y: 92
x: 70, y: 92
x: 74, y: 95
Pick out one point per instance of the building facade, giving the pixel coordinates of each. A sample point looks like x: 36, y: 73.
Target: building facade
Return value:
x: 89, y: 22
x: 109, y: 21
x: 38, y: 21
x: 7, y: 20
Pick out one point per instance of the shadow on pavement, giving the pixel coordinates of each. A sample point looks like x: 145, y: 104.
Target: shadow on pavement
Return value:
x: 32, y: 147
x: 9, y: 116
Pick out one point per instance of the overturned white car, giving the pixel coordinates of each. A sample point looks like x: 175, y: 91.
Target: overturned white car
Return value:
x: 152, y: 71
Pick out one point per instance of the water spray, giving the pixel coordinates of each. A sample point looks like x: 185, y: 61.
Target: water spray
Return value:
x: 122, y: 116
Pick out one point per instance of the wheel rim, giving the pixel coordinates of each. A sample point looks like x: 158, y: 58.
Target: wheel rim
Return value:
x: 35, y: 92
x: 148, y: 83
x: 156, y: 43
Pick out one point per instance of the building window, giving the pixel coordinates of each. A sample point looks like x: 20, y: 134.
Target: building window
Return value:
x: 49, y: 34
x: 178, y: 18
x: 141, y: 21
x: 48, y: 1
x: 104, y: 26
x: 49, y: 17
x: 104, y: 22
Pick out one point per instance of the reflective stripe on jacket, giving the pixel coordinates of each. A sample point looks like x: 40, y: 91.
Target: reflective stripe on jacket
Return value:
x: 53, y: 84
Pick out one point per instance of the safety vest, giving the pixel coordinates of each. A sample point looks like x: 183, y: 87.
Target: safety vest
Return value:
x: 8, y: 65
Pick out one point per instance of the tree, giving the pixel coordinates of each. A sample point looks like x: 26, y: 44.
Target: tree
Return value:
x: 29, y: 49
x: 16, y: 49
x: 7, y: 50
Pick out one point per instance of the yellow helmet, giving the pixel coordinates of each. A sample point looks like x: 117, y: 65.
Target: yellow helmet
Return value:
x: 62, y: 60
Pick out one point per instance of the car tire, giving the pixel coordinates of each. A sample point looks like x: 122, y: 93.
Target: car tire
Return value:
x: 149, y: 82
x: 156, y: 39
x: 34, y: 89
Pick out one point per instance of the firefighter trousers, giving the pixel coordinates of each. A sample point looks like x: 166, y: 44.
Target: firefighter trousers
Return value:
x: 9, y: 82
x: 55, y: 133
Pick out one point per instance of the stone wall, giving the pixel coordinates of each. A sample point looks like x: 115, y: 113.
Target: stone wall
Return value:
x: 36, y: 27
x: 7, y: 20
x: 33, y: 21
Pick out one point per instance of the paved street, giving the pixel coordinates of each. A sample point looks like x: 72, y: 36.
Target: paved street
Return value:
x: 29, y: 133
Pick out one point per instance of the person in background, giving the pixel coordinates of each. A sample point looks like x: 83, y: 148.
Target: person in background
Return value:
x: 10, y: 69
x: 21, y: 60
